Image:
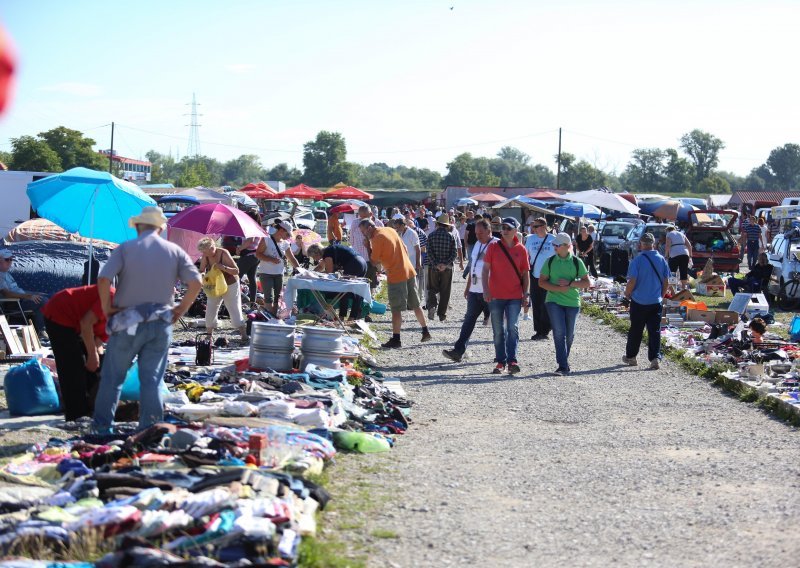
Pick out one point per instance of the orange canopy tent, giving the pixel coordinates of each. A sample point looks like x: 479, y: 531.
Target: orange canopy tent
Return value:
x: 543, y: 194
x: 487, y: 198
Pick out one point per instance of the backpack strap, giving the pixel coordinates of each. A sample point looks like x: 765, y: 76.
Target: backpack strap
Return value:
x: 574, y: 263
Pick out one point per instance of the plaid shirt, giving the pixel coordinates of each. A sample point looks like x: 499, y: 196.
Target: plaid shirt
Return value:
x: 441, y: 247
x: 357, y: 241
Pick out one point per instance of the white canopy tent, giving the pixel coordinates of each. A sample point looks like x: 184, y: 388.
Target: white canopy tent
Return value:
x: 602, y: 199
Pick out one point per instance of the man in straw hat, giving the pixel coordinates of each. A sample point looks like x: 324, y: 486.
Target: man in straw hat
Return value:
x: 442, y: 252
x: 141, y: 316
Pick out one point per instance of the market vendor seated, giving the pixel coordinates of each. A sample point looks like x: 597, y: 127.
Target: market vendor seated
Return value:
x: 29, y: 301
x: 757, y: 328
x: 335, y: 258
x: 76, y: 324
x: 755, y: 280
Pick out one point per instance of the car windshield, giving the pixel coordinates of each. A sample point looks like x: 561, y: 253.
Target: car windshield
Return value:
x: 175, y: 206
x: 285, y: 206
x: 658, y: 231
x: 616, y: 230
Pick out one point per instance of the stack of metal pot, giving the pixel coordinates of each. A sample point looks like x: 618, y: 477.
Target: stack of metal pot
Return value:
x: 321, y: 346
x: 272, y: 346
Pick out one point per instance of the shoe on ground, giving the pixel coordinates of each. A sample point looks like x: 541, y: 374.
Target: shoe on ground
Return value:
x: 431, y: 313
x: 486, y: 320
x: 499, y: 368
x: 629, y: 361
x: 655, y: 365
x: 443, y: 317
x: 526, y: 317
x: 426, y: 336
x: 513, y: 368
x: 392, y: 344
x: 367, y: 319
x: 452, y: 354
x: 539, y: 337
x: 561, y: 372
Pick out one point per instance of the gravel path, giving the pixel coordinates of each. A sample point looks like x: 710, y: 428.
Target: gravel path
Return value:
x: 611, y: 465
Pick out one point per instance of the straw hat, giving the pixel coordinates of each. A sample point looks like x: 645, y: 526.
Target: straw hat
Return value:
x: 444, y: 219
x: 150, y: 215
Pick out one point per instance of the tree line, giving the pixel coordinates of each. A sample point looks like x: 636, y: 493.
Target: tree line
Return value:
x: 692, y: 166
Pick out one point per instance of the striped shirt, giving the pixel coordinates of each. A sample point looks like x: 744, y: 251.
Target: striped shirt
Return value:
x: 753, y: 231
x: 357, y: 241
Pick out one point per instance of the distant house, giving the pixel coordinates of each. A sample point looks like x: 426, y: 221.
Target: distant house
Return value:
x: 453, y: 193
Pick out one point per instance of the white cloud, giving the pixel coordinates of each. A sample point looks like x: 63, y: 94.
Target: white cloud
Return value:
x: 241, y: 67
x: 76, y: 89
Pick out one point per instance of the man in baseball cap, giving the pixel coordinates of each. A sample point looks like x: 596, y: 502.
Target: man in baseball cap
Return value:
x: 9, y: 289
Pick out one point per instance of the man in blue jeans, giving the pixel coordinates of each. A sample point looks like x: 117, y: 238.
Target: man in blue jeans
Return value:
x: 505, y: 270
x: 474, y: 290
x: 141, y: 317
x: 648, y: 276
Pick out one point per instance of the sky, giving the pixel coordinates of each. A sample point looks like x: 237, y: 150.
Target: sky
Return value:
x: 412, y: 82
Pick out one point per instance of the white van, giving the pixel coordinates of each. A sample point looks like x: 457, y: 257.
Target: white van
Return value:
x: 16, y: 205
x: 791, y: 201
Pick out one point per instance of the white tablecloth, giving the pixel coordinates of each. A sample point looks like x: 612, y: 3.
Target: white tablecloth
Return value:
x: 358, y: 288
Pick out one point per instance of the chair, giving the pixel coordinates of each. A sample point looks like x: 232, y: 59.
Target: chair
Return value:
x: 6, y: 303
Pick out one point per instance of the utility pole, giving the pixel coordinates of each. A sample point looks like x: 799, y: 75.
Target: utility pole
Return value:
x: 111, y: 152
x: 194, y: 131
x: 558, y: 164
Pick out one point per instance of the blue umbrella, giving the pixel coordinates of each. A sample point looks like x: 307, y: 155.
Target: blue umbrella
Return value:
x: 531, y: 201
x: 93, y: 204
x: 464, y: 201
x: 579, y: 210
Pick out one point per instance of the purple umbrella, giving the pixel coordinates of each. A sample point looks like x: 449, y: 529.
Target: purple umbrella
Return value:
x: 216, y: 219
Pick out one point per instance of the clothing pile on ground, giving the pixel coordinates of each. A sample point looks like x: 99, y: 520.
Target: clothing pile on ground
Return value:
x: 722, y: 336
x: 224, y: 478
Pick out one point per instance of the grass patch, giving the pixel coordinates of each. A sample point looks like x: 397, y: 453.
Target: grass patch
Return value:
x: 383, y: 533
x: 88, y: 545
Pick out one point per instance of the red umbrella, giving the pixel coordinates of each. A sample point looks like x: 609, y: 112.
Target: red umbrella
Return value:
x: 344, y: 208
x: 259, y: 193
x: 488, y: 198
x: 302, y: 191
x: 348, y: 192
x: 543, y: 194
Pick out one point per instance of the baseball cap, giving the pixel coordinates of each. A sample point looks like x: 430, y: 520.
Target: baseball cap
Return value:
x: 284, y: 225
x: 562, y: 239
x: 5, y: 253
x: 511, y: 222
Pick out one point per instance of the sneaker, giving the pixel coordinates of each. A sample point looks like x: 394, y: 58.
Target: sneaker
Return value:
x: 426, y: 336
x: 431, y: 312
x: 367, y: 319
x: 559, y: 372
x: 443, y: 317
x: 513, y: 368
x: 526, y: 317
x: 392, y: 344
x: 539, y: 337
x: 655, y: 365
x: 499, y: 368
x: 629, y: 361
x: 452, y: 354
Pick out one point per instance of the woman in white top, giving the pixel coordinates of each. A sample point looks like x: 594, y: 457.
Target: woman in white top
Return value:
x: 764, y: 242
x: 678, y: 251
x: 273, y: 251
x: 220, y: 258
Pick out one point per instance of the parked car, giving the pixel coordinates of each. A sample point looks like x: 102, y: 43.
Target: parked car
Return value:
x: 288, y: 210
x: 710, y: 234
x: 611, y: 235
x: 784, y: 256
x: 631, y: 243
x: 304, y: 218
x: 174, y: 204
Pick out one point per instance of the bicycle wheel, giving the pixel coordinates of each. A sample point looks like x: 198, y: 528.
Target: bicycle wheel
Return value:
x: 787, y: 297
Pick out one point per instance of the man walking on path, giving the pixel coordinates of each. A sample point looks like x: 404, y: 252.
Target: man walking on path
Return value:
x: 361, y: 245
x: 648, y: 275
x: 505, y: 269
x: 476, y: 305
x: 141, y: 317
x: 442, y: 252
x: 389, y: 251
x: 540, y: 247
x: 751, y: 234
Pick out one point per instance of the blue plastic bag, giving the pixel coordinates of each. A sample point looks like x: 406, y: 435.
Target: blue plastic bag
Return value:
x: 31, y: 390
x: 131, y: 388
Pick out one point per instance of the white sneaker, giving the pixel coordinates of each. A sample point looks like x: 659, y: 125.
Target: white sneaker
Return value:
x: 630, y: 361
x: 655, y: 365
x: 526, y: 317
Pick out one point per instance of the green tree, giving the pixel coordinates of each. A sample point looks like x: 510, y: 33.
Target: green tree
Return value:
x: 347, y: 172
x: 164, y: 169
x: 242, y: 170
x: 194, y: 173
x: 514, y: 155
x: 535, y: 176
x: 645, y: 171
x: 703, y: 148
x: 678, y: 173
x: 465, y: 170
x: 74, y: 149
x: 5, y: 157
x: 784, y: 165
x: 581, y: 175
x: 321, y: 158
x: 282, y: 172
x: 754, y: 181
x: 32, y: 154
x: 735, y: 182
x: 712, y: 184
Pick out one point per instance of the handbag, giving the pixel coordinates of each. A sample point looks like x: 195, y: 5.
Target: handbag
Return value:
x: 214, y: 284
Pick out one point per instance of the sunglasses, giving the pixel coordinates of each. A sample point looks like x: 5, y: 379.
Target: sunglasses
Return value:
x: 537, y: 226
x: 507, y: 228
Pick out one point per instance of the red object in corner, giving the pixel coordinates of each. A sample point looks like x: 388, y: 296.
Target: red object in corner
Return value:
x: 7, y: 64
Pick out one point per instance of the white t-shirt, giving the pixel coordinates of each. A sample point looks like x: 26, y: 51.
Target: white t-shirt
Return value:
x: 270, y: 250
x: 476, y: 265
x: 532, y: 243
x: 411, y: 239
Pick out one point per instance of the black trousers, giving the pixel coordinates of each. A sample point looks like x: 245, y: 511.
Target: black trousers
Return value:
x: 649, y: 316
x: 541, y: 321
x: 247, y: 266
x: 78, y: 385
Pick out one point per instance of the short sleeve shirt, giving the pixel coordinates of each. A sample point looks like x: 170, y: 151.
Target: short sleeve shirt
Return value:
x: 649, y: 278
x: 533, y: 243
x: 345, y: 259
x: 271, y: 250
x: 68, y: 307
x: 504, y: 284
x: 410, y: 238
x: 564, y: 268
x: 389, y: 251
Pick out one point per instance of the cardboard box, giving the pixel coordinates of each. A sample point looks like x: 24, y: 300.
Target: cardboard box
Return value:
x: 682, y: 295
x: 710, y: 289
x: 727, y: 317
x: 707, y: 316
